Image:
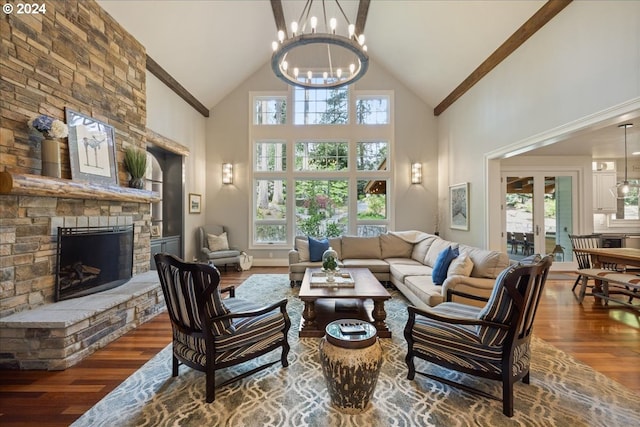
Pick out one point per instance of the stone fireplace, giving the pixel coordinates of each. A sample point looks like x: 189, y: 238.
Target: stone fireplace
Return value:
x: 35, y: 331
x: 92, y: 259
x: 74, y: 56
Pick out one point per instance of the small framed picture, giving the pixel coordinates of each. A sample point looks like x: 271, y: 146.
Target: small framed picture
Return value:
x: 155, y: 231
x: 459, y: 206
x: 92, y: 149
x: 195, y: 203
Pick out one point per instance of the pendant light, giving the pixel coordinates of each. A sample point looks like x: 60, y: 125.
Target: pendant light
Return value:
x: 621, y: 190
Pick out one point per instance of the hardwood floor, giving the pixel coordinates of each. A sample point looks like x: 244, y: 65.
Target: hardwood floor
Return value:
x: 607, y: 339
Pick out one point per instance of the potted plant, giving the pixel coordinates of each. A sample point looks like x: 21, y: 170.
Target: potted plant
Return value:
x: 135, y: 161
x: 330, y: 263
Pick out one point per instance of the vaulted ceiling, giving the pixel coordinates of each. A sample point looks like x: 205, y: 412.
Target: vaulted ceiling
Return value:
x: 210, y: 47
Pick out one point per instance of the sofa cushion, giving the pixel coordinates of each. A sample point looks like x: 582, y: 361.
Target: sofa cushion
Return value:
x: 374, y: 265
x: 394, y: 247
x: 302, y: 246
x: 218, y: 243
x: 400, y: 271
x: 461, y: 266
x: 317, y: 248
x: 486, y: 263
x: 424, y: 288
x: 336, y: 244
x: 441, y: 266
x: 354, y: 247
x: 420, y: 249
x: 438, y: 245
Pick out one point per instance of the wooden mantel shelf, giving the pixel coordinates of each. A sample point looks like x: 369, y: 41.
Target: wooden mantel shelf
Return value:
x: 36, y: 185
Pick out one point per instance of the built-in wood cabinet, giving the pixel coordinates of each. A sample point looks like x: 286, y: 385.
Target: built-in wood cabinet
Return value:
x: 169, y: 245
x: 167, y: 218
x: 603, y: 200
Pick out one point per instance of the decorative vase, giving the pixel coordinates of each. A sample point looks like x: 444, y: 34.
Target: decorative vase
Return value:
x: 50, y: 155
x: 330, y: 263
x: 136, y: 183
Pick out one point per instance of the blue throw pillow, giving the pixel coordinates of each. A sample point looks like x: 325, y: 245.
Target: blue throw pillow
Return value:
x: 441, y: 266
x: 317, y: 248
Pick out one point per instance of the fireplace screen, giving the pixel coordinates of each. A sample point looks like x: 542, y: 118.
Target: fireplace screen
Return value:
x: 92, y: 259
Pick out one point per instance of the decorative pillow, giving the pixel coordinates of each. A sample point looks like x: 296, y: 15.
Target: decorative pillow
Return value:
x: 302, y: 245
x: 218, y: 243
x: 441, y: 266
x: 317, y: 248
x: 461, y: 266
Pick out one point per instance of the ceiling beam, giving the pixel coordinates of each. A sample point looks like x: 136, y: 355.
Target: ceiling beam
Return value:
x: 550, y: 9
x: 361, y: 18
x: 281, y: 24
x: 278, y: 16
x: 155, y: 69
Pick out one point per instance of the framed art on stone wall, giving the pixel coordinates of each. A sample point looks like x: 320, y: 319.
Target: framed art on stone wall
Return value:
x: 92, y: 149
x: 459, y: 206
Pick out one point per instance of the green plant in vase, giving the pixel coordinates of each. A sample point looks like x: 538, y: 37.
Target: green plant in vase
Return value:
x: 330, y: 263
x: 135, y: 161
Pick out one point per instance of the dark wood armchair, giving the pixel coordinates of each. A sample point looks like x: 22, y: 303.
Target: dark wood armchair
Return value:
x: 491, y: 342
x: 211, y: 333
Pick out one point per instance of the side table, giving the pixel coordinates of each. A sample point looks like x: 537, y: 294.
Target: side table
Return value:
x: 351, y: 358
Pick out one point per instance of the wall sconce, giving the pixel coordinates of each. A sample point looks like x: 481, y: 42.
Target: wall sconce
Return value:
x: 227, y: 173
x: 416, y: 173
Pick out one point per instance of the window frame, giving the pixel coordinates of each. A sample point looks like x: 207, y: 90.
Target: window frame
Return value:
x: 351, y: 133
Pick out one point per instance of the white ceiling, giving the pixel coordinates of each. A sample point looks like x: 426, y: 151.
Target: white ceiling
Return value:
x: 211, y: 46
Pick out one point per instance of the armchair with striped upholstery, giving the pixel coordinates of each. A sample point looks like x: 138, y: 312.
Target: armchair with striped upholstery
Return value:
x: 211, y: 333
x: 491, y: 342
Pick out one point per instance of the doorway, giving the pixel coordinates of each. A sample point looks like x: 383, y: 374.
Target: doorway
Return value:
x: 538, y: 213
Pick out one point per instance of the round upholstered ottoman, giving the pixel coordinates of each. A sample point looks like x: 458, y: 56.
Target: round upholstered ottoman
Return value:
x: 351, y: 358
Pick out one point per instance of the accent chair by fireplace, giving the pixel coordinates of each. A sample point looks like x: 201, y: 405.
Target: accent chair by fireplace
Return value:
x: 211, y: 333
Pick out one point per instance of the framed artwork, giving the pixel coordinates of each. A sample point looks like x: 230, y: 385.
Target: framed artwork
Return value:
x: 195, y: 203
x: 155, y: 231
x: 92, y: 149
x: 459, y: 206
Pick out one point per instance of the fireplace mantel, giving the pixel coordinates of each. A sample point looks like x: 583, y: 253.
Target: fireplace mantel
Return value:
x: 36, y: 185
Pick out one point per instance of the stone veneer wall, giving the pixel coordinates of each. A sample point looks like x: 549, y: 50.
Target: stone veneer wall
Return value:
x: 74, y: 55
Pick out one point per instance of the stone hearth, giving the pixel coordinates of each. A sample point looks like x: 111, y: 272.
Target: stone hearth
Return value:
x: 56, y: 336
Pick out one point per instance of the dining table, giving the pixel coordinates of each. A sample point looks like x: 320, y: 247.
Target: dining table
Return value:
x: 623, y: 258
x: 629, y: 257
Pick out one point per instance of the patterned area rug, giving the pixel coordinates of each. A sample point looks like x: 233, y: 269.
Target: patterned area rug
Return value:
x: 562, y: 392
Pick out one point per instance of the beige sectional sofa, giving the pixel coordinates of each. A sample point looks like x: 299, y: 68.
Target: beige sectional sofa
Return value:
x: 406, y: 259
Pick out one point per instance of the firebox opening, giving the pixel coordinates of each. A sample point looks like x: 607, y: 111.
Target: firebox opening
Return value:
x: 92, y: 259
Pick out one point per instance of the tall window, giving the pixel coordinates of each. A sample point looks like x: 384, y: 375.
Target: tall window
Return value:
x: 270, y: 110
x: 337, y: 176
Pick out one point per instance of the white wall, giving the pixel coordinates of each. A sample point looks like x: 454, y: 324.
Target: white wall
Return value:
x: 585, y: 61
x: 170, y: 116
x: 228, y: 141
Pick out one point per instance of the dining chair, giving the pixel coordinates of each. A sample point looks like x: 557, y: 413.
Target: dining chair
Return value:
x: 578, y: 243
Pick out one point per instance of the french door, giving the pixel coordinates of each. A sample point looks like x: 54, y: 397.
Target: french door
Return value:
x: 539, y: 213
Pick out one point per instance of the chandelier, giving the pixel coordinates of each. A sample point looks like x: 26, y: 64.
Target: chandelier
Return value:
x: 621, y: 190
x: 325, y: 56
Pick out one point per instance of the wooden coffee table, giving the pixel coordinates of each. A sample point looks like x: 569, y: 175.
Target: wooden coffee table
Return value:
x: 323, y: 305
